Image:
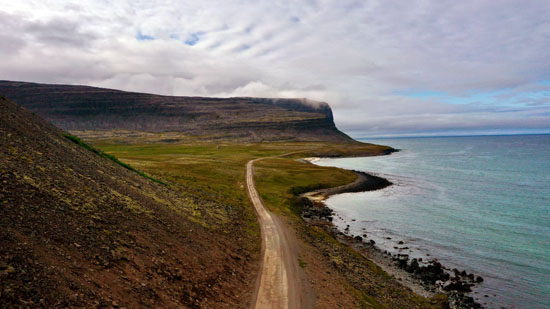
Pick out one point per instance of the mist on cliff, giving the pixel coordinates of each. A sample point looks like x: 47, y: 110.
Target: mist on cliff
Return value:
x: 384, y: 67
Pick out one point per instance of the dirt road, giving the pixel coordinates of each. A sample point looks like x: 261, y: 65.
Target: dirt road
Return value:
x: 279, y: 280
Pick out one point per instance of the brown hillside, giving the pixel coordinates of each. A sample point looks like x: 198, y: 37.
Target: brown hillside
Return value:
x: 83, y: 108
x: 76, y: 229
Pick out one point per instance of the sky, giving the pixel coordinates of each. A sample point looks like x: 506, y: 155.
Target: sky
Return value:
x: 387, y: 68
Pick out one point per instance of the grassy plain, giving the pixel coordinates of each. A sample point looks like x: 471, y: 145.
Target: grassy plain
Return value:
x: 213, y: 171
x: 281, y: 180
x: 217, y: 171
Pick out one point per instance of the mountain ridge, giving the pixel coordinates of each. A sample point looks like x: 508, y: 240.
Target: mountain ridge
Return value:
x: 87, y: 108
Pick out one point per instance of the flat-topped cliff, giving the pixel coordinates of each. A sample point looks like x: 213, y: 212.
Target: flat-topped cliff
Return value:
x: 84, y: 108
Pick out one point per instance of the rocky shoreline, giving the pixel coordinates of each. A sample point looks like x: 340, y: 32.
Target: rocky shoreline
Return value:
x: 425, y: 277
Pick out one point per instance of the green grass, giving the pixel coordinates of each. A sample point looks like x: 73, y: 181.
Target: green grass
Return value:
x: 204, y: 171
x: 217, y: 172
x: 212, y: 171
x: 281, y: 180
x: 81, y: 143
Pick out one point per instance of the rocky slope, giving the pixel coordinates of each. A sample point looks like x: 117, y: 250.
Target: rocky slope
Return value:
x: 79, y: 230
x: 83, y: 108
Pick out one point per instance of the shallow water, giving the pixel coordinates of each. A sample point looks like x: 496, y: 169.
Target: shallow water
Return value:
x: 476, y: 203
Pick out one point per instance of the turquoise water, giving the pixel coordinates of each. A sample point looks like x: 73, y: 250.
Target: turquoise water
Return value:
x: 477, y: 203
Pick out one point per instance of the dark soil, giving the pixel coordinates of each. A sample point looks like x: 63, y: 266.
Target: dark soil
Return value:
x: 78, y: 230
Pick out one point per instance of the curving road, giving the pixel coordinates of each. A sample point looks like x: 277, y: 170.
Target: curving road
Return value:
x: 278, y: 280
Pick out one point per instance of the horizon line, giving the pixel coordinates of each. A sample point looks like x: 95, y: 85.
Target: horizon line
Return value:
x: 438, y: 136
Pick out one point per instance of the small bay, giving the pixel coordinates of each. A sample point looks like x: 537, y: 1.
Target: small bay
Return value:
x: 477, y: 203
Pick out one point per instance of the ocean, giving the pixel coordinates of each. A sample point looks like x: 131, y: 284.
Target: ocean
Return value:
x: 480, y: 204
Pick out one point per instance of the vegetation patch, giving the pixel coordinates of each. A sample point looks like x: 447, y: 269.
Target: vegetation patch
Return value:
x: 216, y: 172
x: 281, y: 180
x: 81, y: 143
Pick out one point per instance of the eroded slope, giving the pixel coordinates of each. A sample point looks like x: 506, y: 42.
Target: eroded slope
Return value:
x: 79, y: 230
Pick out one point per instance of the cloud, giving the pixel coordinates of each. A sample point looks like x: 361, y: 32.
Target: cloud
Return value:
x: 366, y: 58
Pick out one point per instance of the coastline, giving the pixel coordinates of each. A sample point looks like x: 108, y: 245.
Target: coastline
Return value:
x: 424, y: 277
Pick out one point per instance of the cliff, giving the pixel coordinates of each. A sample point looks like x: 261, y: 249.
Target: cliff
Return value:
x: 84, y: 108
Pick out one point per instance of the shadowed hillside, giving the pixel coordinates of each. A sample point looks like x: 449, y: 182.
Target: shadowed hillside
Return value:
x: 83, y: 108
x: 78, y: 229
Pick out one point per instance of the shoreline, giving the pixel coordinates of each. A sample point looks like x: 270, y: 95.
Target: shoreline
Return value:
x: 425, y: 277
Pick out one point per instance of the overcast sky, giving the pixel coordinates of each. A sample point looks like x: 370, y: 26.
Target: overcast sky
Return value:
x: 385, y: 67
